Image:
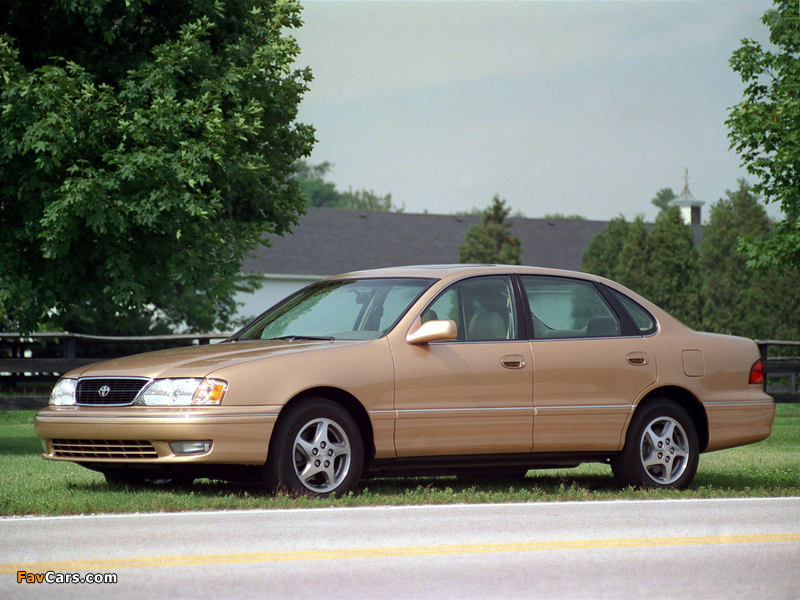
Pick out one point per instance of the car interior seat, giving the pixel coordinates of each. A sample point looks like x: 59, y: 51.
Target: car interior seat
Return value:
x: 487, y: 326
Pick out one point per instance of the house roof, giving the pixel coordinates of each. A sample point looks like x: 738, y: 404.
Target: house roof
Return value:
x: 329, y: 241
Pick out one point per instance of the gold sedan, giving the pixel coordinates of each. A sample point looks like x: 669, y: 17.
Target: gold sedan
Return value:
x: 421, y: 370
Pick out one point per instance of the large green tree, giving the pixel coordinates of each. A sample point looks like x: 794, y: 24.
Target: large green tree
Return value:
x: 737, y: 299
x: 490, y: 241
x: 765, y: 130
x: 145, y: 147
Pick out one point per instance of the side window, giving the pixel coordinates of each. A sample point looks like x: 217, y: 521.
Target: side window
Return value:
x: 644, y: 321
x: 482, y: 307
x: 568, y: 308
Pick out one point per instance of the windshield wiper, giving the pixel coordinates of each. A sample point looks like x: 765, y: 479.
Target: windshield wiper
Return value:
x: 303, y: 337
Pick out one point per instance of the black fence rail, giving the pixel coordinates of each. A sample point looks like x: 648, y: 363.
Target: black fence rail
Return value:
x: 31, y: 364
x: 781, y: 368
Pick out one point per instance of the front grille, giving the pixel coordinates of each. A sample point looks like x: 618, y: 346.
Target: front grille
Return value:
x: 111, y: 391
x: 107, y: 449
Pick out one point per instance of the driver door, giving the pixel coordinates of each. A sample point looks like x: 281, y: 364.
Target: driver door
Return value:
x: 471, y: 395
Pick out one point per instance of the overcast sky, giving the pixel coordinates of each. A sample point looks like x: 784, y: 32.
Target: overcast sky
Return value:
x: 576, y: 107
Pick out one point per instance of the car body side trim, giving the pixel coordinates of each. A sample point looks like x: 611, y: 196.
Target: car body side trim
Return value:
x: 502, y: 409
x: 586, y: 407
x: 737, y: 402
x: 465, y: 409
x: 181, y: 416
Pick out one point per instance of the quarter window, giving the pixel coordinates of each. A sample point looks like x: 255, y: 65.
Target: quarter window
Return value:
x: 644, y: 321
x: 568, y: 308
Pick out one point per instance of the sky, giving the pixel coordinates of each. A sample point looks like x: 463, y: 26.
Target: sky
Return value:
x: 577, y: 107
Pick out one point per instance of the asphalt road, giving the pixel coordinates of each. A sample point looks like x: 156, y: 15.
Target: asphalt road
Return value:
x: 652, y: 549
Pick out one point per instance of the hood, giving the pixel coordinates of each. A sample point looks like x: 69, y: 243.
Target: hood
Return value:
x: 202, y: 361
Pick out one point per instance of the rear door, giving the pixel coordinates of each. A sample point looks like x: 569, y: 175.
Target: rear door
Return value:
x: 589, y: 367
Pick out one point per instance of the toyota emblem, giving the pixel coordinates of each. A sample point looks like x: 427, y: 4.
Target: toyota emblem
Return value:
x: 104, y: 391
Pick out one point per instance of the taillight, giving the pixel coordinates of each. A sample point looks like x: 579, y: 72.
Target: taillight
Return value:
x: 757, y: 373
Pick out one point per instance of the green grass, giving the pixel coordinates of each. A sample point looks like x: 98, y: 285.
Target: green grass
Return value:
x: 32, y: 486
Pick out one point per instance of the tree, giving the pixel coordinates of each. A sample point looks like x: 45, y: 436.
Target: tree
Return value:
x: 728, y: 284
x: 663, y: 198
x: 633, y: 265
x: 737, y: 299
x: 673, y: 277
x: 145, y: 147
x: 563, y: 217
x: 765, y: 130
x: 322, y: 193
x: 621, y: 252
x: 602, y: 254
x: 490, y: 241
x: 660, y: 265
x: 316, y: 190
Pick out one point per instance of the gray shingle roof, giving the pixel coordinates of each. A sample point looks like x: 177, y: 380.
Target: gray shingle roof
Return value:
x: 328, y: 242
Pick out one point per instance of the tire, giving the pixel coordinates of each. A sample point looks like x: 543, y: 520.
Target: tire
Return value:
x: 316, y: 450
x: 661, y: 449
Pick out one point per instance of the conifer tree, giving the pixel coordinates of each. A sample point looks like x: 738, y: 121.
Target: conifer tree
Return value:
x: 602, y: 255
x: 673, y: 282
x: 491, y: 241
x: 633, y: 263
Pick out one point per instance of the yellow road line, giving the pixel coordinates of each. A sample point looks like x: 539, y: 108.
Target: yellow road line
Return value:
x: 212, y: 559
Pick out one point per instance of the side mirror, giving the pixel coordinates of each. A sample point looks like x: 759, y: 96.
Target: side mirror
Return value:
x: 433, y: 331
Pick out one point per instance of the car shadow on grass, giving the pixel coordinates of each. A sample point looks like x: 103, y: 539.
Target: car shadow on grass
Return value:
x: 534, y: 486
x: 401, y: 489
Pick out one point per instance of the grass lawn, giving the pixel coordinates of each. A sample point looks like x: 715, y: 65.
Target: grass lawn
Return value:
x: 32, y: 486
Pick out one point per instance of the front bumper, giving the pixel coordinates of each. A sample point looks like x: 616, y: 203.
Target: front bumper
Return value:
x: 133, y: 434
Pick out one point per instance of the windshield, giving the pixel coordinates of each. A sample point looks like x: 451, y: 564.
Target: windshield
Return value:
x: 345, y: 309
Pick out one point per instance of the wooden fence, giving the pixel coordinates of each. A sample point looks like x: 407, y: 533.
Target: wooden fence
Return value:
x: 30, y: 365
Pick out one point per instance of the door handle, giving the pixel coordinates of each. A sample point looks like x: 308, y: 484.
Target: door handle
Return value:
x: 513, y: 361
x: 638, y: 358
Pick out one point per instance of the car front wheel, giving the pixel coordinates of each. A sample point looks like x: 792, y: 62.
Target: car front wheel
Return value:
x: 317, y: 450
x: 661, y: 448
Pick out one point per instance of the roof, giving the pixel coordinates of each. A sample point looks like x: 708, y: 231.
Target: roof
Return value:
x: 330, y: 241
x: 457, y: 270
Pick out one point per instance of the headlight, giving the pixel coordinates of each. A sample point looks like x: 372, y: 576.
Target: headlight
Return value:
x: 63, y: 393
x: 182, y: 392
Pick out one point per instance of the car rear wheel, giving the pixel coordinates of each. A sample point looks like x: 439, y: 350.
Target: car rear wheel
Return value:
x: 317, y: 450
x: 661, y: 448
